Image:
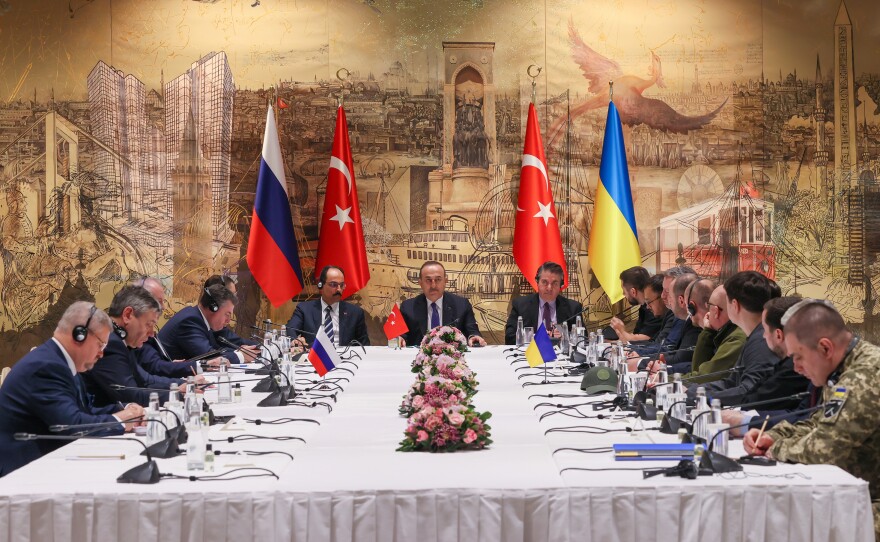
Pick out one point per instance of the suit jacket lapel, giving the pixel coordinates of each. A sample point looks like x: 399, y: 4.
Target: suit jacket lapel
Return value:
x: 420, y: 306
x: 343, y: 317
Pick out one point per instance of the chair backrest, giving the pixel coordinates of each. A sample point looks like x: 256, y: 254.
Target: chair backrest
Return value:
x: 3, y: 374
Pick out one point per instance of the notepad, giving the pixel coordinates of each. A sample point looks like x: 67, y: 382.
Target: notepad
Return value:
x: 653, y: 452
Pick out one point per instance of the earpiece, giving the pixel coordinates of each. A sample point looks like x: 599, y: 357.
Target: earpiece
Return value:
x: 119, y: 330
x: 81, y: 333
x: 210, y: 302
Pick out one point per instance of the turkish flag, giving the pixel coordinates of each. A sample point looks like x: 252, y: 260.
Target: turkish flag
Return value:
x: 536, y: 236
x: 282, y: 103
x: 341, y: 240
x: 394, y: 325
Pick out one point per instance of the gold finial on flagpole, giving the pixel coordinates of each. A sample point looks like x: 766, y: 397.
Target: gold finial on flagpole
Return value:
x: 611, y: 90
x: 534, y: 76
x: 342, y: 78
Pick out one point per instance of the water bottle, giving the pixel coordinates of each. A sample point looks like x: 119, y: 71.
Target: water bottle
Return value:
x: 662, y: 390
x: 282, y: 343
x: 195, y: 446
x: 677, y: 384
x: 224, y: 385
x: 701, y: 407
x: 170, y: 406
x: 520, y: 333
x: 191, y: 406
x: 716, y: 411
x: 564, y: 342
x: 268, y: 338
x: 600, y: 339
x: 155, y: 431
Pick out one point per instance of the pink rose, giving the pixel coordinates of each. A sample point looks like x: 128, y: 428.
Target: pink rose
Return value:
x: 423, y: 436
x: 458, y: 372
x: 418, y: 401
x: 469, y: 436
x: 432, y: 422
x: 455, y: 418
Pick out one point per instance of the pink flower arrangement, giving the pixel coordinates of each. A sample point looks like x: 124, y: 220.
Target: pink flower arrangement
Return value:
x: 435, y: 429
x: 433, y: 391
x: 441, y: 418
x: 444, y: 340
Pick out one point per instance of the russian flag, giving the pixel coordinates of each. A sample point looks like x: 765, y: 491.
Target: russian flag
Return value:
x: 614, y: 239
x: 272, y: 254
x: 323, y: 355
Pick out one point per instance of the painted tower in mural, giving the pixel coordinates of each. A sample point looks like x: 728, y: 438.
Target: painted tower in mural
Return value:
x: 204, y: 93
x: 191, y: 204
x: 470, y: 148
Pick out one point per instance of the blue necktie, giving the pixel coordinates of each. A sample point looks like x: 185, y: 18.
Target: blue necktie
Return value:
x: 328, y: 324
x: 435, y: 316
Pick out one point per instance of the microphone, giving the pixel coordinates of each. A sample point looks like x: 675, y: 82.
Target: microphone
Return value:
x: 164, y: 449
x: 640, y: 397
x: 147, y: 473
x: 656, y: 356
x: 718, y: 463
x: 230, y: 344
x: 121, y: 387
x: 793, y: 397
x: 586, y: 309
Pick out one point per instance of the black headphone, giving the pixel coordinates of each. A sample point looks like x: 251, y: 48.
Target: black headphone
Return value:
x: 119, y: 330
x: 210, y: 302
x: 692, y: 305
x: 81, y: 333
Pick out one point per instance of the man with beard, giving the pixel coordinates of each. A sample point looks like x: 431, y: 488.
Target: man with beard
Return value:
x: 343, y: 322
x: 633, y: 281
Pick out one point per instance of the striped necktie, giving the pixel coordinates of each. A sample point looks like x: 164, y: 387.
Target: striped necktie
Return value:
x: 328, y: 324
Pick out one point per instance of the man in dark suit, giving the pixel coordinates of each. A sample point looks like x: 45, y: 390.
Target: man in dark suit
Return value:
x: 343, y: 322
x: 153, y: 356
x: 435, y: 306
x: 190, y: 332
x: 634, y: 281
x: 226, y: 332
x: 546, y: 305
x: 134, y: 312
x: 44, y: 389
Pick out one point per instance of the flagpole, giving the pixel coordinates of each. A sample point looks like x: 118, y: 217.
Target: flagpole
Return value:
x: 342, y: 78
x: 534, y: 78
x: 611, y: 90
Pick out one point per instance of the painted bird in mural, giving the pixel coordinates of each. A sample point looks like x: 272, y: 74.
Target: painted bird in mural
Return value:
x: 633, y: 107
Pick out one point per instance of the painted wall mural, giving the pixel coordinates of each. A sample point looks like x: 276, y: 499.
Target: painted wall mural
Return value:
x: 130, y: 135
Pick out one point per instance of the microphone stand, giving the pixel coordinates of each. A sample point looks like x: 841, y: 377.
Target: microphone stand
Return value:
x: 718, y: 463
x: 146, y: 473
x: 164, y: 449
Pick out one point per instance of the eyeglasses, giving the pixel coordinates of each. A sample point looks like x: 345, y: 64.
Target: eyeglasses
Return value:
x: 714, y: 305
x: 101, y: 343
x: 550, y: 283
x: 649, y: 301
x: 335, y: 285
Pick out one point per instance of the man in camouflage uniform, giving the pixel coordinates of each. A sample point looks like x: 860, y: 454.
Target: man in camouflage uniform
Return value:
x: 847, y: 432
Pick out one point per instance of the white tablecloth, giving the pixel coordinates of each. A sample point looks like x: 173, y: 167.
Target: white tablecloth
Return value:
x: 348, y: 483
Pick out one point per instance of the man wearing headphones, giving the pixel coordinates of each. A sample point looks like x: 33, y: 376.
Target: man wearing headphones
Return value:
x: 44, y: 389
x: 134, y: 313
x: 190, y: 332
x: 226, y: 332
x: 546, y: 305
x: 343, y: 322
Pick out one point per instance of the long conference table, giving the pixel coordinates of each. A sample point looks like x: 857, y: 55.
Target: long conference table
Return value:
x: 347, y: 482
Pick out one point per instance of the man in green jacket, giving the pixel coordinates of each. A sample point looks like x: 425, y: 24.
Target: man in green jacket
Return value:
x: 721, y: 341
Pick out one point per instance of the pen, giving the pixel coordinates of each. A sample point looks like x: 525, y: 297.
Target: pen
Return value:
x: 761, y: 432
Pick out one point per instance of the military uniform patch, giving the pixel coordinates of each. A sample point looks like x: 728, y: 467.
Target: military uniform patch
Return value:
x: 835, y: 403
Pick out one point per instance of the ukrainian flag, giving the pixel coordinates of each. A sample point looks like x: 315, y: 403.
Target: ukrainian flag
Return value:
x: 540, y: 350
x: 614, y: 241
